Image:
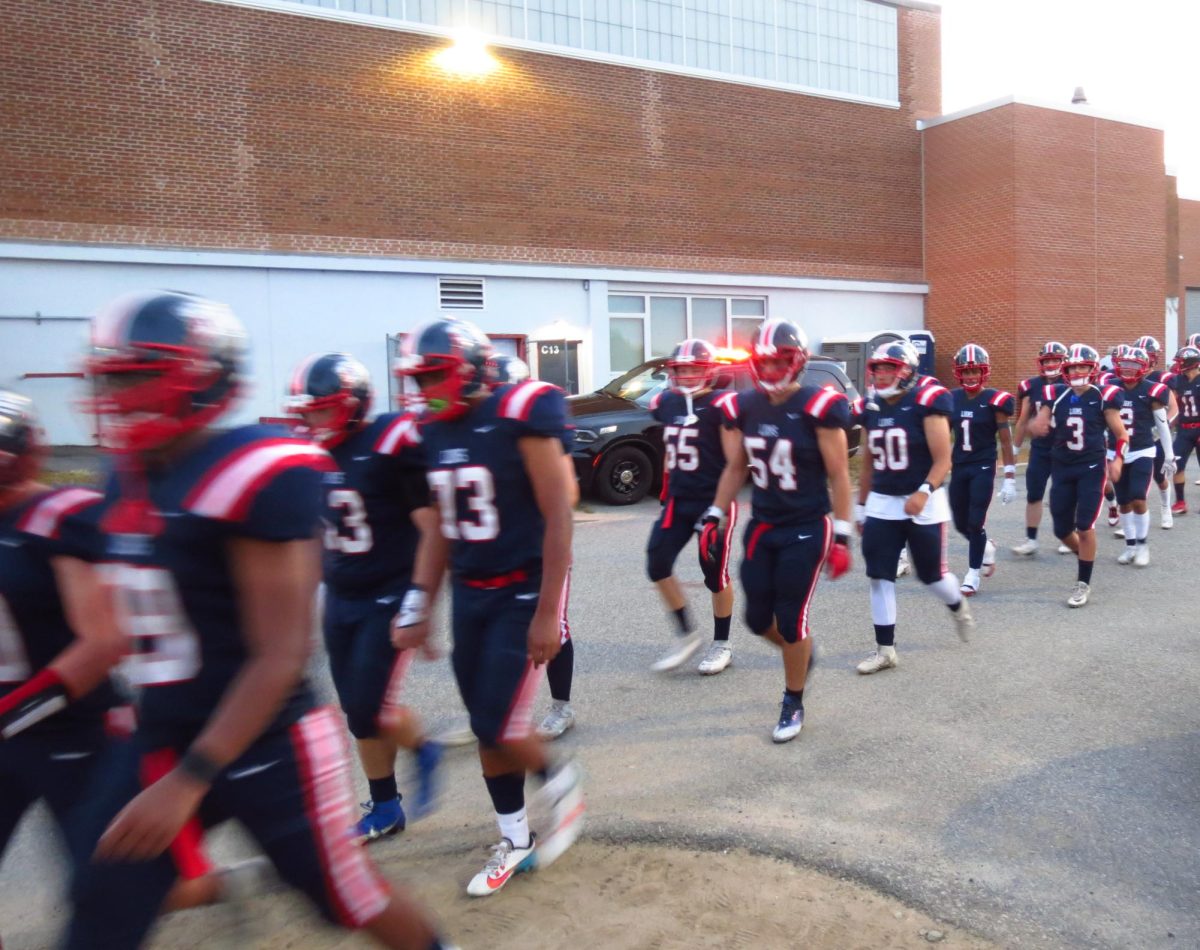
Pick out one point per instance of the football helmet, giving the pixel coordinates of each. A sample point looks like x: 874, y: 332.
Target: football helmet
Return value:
x: 902, y: 359
x: 335, y: 381
x: 1081, y: 365
x: 20, y: 439
x: 502, y: 368
x: 162, y: 364
x: 1193, y: 340
x: 1130, y: 363
x: 447, y: 360
x: 778, y: 355
x: 972, y: 357
x: 1152, y: 348
x: 1050, y: 359
x: 1187, y: 359
x: 692, y: 367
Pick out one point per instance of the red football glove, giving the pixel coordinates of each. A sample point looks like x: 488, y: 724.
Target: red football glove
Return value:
x: 839, y: 559
x: 709, y: 527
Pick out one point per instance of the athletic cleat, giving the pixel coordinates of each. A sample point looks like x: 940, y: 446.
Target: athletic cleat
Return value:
x: 381, y: 819
x: 1079, y: 594
x: 1114, y: 515
x: 559, y: 719
x: 1027, y: 548
x: 560, y: 806
x: 903, y: 568
x: 506, y: 860
x: 884, y: 658
x: 1126, y: 556
x: 457, y: 734
x: 1179, y: 508
x: 424, y: 780
x: 970, y: 584
x: 964, y: 623
x: 791, y: 720
x: 1063, y: 549
x: 1142, y: 557
x: 1118, y: 532
x: 1168, y: 519
x: 718, y: 656
x: 989, y: 558
x: 681, y: 651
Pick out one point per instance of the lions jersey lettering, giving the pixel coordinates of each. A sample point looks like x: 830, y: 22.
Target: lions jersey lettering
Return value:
x: 692, y: 453
x: 479, y: 480
x: 900, y: 456
x: 33, y: 627
x: 370, y: 540
x: 976, y: 421
x: 178, y: 601
x: 1079, y: 425
x: 790, y: 484
x: 1138, y: 413
x: 1034, y: 389
x: 1188, y: 394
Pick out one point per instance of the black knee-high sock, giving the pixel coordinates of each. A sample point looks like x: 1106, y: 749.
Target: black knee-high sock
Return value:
x: 721, y: 627
x: 559, y: 672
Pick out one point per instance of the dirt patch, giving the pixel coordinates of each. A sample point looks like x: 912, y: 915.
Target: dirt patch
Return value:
x: 602, y: 896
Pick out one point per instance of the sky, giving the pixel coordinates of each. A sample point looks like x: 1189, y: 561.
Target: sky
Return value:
x: 1131, y: 58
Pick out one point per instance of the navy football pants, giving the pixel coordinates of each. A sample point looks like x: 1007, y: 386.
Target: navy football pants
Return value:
x: 780, y: 573
x: 1077, y: 496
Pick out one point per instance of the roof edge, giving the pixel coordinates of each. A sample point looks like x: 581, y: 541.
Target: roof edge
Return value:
x: 923, y: 124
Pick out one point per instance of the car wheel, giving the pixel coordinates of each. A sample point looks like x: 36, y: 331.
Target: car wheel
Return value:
x: 624, y: 476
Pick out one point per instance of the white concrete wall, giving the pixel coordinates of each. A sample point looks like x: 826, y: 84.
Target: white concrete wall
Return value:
x: 303, y: 306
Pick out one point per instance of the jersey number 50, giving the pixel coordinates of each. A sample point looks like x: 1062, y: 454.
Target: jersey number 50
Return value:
x: 165, y: 647
x: 476, y: 481
x: 889, y: 449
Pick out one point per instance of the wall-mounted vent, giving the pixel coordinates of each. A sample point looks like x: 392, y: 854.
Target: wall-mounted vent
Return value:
x: 460, y: 293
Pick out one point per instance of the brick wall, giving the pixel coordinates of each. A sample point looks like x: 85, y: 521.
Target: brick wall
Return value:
x: 1048, y: 225
x: 188, y: 124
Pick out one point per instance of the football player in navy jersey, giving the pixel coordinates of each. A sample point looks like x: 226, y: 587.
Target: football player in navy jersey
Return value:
x: 212, y: 555
x: 1030, y: 397
x: 560, y: 672
x: 1186, y: 387
x: 693, y: 462
x: 791, y: 439
x: 1144, y: 416
x: 1080, y: 413
x: 901, y: 497
x: 376, y: 511
x: 496, y: 467
x: 980, y: 417
x: 1161, y: 479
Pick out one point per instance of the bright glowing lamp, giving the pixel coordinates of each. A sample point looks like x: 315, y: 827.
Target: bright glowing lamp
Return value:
x: 467, y: 56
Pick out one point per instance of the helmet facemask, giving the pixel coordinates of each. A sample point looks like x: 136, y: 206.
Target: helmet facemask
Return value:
x: 779, y: 370
x: 890, y: 377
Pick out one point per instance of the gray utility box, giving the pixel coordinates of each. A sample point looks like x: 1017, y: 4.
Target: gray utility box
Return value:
x: 855, y: 349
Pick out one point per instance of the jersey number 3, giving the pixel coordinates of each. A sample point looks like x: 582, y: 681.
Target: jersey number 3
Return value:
x: 476, y: 481
x: 353, y: 519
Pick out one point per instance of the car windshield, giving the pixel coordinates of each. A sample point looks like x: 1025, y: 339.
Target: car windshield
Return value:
x: 640, y: 384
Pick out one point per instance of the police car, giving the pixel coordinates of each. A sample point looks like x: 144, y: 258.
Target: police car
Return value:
x: 618, y: 450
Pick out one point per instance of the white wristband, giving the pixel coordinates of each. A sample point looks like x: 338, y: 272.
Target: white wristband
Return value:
x: 842, y: 528
x: 713, y: 512
x: 414, y: 608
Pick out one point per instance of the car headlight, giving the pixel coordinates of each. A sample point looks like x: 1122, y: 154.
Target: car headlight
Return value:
x: 585, y: 435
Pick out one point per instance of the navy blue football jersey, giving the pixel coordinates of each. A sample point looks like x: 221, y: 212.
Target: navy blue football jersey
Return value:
x: 33, y: 627
x: 1034, y: 389
x: 900, y: 456
x: 179, y: 604
x: 370, y: 539
x: 1079, y: 427
x: 790, y: 484
x: 479, y: 480
x: 693, y: 458
x: 1138, y: 411
x: 976, y: 421
x: 1188, y: 394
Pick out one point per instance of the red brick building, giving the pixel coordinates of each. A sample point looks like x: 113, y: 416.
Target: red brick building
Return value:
x: 617, y: 181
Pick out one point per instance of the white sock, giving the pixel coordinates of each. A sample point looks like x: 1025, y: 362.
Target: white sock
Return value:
x: 1129, y: 525
x: 1143, y: 525
x: 947, y: 590
x: 515, y: 828
x: 883, y: 602
x: 1164, y: 496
